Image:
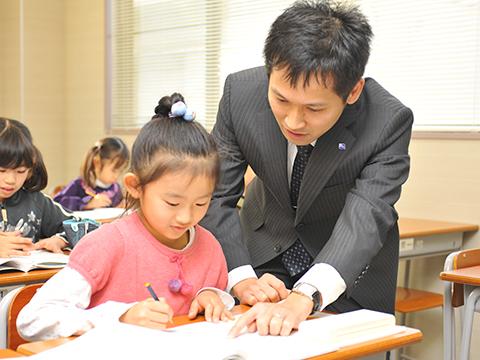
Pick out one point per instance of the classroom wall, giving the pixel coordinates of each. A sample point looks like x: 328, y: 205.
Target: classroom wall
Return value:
x: 44, y: 80
x: 85, y: 86
x: 9, y: 59
x: 32, y: 73
x: 65, y: 92
x: 85, y: 82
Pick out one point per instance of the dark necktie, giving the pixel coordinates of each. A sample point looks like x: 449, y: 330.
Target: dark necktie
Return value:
x: 296, y: 259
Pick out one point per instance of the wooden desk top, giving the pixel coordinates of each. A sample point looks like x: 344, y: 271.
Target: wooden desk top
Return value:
x: 20, y: 277
x: 467, y: 276
x: 421, y: 227
x: 8, y: 353
x: 406, y: 337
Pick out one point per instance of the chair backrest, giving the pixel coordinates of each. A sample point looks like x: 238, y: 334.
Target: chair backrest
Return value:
x: 57, y: 189
x: 4, y: 307
x: 459, y: 260
x: 19, y: 300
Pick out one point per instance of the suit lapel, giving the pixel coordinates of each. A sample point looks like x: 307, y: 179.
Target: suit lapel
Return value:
x: 327, y: 154
x: 274, y: 154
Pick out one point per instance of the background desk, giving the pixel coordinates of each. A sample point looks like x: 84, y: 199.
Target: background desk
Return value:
x: 422, y: 238
x: 425, y: 238
x: 11, y: 279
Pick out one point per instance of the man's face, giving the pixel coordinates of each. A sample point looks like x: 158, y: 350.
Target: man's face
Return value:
x: 305, y: 113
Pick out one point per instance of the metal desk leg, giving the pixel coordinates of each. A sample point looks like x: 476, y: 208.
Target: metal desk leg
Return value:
x: 470, y: 303
x: 448, y: 323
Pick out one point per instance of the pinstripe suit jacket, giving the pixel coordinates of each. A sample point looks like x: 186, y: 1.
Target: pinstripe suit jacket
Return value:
x: 345, y: 214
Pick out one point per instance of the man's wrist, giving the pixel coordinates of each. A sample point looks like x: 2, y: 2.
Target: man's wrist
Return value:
x: 311, y: 292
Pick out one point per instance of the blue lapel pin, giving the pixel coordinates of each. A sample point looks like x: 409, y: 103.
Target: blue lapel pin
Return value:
x: 342, y: 146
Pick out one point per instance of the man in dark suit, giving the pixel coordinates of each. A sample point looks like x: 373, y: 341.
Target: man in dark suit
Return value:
x: 330, y: 153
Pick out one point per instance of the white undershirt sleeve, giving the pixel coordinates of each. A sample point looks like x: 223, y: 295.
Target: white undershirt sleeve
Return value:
x: 58, y: 309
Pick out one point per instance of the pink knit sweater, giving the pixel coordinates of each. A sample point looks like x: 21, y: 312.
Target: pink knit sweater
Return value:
x: 120, y: 257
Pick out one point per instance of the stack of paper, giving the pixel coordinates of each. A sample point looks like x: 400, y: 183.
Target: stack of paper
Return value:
x: 210, y: 341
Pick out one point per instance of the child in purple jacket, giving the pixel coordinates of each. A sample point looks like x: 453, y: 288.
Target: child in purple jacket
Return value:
x: 97, y: 186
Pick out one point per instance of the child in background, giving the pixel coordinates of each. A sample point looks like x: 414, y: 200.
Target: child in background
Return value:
x: 174, y: 171
x: 97, y: 187
x: 30, y: 219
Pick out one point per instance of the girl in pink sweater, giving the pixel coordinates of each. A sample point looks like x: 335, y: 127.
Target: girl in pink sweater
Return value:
x: 173, y: 174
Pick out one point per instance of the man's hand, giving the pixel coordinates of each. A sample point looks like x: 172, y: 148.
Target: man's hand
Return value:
x: 274, y: 318
x: 266, y: 289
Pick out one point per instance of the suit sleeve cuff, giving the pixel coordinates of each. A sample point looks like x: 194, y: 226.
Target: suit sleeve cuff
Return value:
x: 238, y: 274
x: 328, y: 282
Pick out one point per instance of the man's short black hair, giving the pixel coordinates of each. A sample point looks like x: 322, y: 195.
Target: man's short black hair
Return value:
x: 328, y: 39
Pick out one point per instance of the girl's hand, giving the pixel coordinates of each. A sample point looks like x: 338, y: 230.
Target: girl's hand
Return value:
x: 99, y: 201
x: 54, y: 244
x: 210, y: 303
x: 12, y: 244
x: 149, y: 313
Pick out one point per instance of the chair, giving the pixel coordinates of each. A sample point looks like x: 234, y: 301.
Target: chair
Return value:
x: 10, y: 306
x: 455, y: 296
x: 411, y: 300
x: 57, y: 189
x: 4, y: 307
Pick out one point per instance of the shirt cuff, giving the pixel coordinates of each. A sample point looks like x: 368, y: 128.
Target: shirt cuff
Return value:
x: 327, y: 280
x: 238, y: 274
x: 226, y: 298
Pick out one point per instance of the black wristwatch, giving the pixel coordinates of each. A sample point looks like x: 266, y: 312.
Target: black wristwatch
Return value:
x: 309, y: 291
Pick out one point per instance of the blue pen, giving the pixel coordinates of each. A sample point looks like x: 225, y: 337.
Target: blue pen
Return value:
x: 150, y: 290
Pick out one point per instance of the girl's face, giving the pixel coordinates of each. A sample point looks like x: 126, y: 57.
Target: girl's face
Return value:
x: 172, y: 204
x: 107, y: 173
x: 12, y: 180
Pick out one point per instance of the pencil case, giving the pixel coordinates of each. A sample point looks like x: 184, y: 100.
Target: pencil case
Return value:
x: 76, y: 229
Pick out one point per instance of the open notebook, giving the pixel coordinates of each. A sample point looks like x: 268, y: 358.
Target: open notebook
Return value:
x: 203, y: 340
x: 38, y: 259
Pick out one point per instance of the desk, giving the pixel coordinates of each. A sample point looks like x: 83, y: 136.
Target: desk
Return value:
x: 102, y: 215
x: 7, y: 353
x: 466, y: 276
x: 21, y: 278
x: 469, y: 278
x: 12, y: 279
x: 424, y: 238
x: 408, y: 336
